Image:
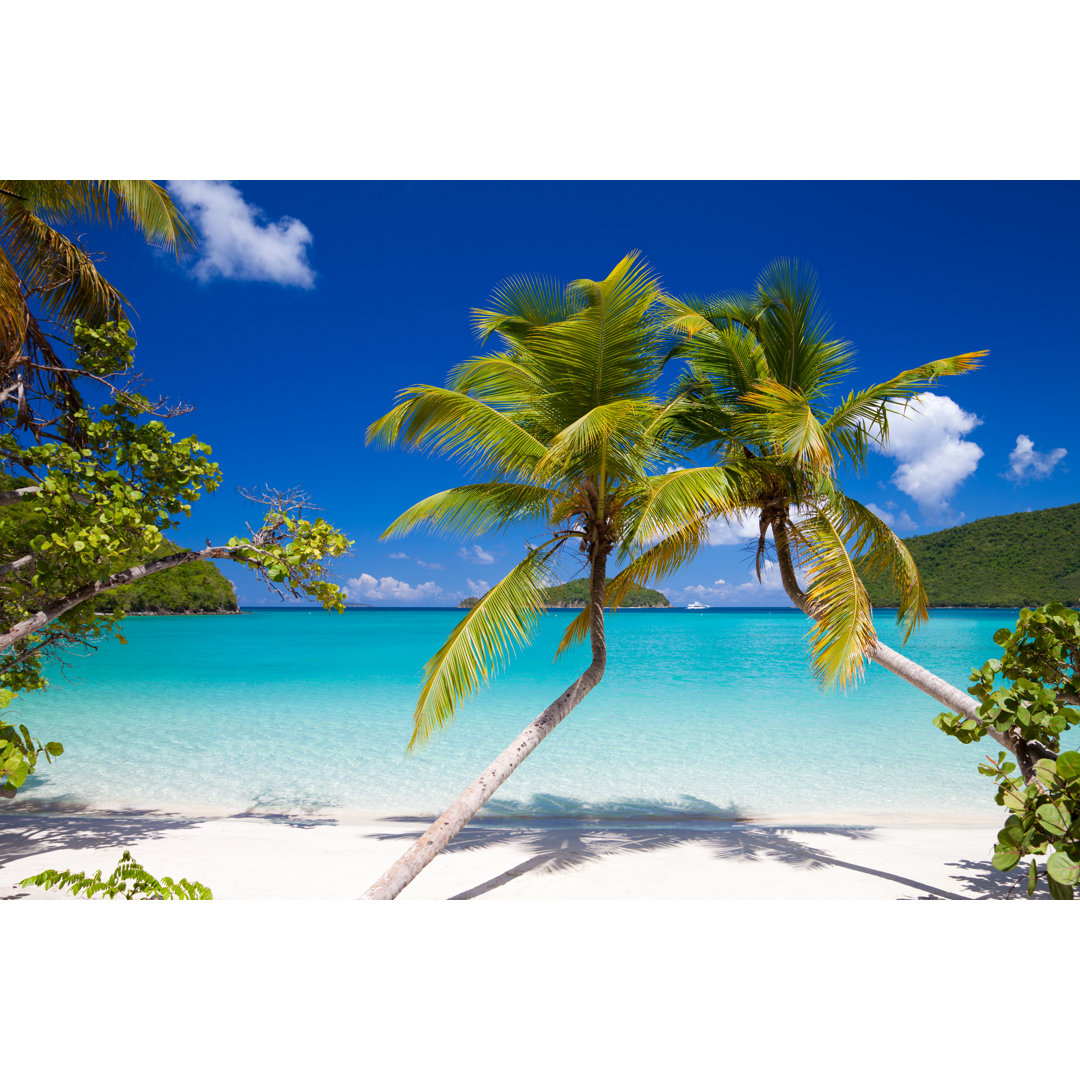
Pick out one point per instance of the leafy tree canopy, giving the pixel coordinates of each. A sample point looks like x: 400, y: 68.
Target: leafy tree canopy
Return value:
x: 91, y: 476
x: 1033, y: 693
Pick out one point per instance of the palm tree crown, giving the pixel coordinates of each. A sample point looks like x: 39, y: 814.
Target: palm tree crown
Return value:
x: 558, y: 424
x: 759, y: 368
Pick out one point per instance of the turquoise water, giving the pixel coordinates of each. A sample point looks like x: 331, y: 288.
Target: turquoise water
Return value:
x: 710, y: 712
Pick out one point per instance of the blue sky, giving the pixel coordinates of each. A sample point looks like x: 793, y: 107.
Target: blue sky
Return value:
x: 309, y: 304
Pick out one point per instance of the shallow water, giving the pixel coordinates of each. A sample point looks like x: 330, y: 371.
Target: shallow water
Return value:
x: 709, y: 713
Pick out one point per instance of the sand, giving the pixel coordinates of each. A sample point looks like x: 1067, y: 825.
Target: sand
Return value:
x: 296, y: 858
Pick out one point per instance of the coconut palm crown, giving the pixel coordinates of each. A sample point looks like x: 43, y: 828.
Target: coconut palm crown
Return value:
x: 559, y: 425
x: 759, y: 368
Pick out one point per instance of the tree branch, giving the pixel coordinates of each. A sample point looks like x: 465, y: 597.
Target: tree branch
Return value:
x: 13, y: 496
x: 41, y: 619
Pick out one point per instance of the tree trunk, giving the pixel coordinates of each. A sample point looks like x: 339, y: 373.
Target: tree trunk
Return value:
x: 33, y: 623
x: 956, y: 700
x: 465, y: 807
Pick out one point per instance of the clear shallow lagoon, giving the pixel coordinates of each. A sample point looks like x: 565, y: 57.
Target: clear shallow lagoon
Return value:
x: 706, y: 713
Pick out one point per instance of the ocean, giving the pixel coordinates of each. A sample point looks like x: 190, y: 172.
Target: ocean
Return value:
x: 708, y: 714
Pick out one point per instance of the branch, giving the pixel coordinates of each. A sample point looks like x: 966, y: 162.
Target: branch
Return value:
x: 42, y: 618
x: 13, y: 496
x: 16, y: 564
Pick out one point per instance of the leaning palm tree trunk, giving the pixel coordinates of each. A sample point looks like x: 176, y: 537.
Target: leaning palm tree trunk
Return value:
x: 1026, y: 752
x: 465, y: 807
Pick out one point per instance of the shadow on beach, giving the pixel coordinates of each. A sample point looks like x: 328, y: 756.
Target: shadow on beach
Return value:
x: 564, y: 835
x: 43, y: 828
x: 39, y: 831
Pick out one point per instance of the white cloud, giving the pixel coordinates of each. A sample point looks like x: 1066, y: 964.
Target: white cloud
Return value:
x: 926, y: 438
x: 721, y: 590
x: 388, y: 588
x: 1026, y: 463
x: 430, y: 565
x: 478, y: 587
x: 476, y: 554
x: 736, y: 529
x: 236, y: 242
x: 397, y: 555
x: 902, y: 521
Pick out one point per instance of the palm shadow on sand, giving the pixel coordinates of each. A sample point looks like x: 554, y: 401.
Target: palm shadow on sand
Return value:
x: 565, y: 834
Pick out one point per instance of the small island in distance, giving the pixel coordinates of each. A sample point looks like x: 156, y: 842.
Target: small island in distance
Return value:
x: 575, y: 594
x: 195, y: 588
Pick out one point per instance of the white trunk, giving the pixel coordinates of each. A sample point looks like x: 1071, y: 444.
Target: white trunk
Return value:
x: 465, y: 807
x: 929, y: 683
x: 468, y: 803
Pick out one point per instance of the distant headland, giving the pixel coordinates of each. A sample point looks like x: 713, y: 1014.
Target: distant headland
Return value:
x: 575, y: 594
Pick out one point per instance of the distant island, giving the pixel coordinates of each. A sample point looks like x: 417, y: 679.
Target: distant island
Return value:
x: 195, y: 588
x: 575, y: 594
x: 1015, y: 560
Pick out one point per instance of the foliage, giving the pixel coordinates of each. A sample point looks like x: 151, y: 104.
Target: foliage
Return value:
x: 576, y: 594
x: 1035, y: 703
x: 1013, y: 560
x: 91, y: 478
x: 469, y: 602
x: 760, y: 368
x: 129, y: 880
x: 560, y: 427
x: 19, y: 751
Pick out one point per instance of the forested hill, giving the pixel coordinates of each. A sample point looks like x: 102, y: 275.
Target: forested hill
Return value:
x: 1017, y: 560
x: 192, y: 588
x: 575, y: 594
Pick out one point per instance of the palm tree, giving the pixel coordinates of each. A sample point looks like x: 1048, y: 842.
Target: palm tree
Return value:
x: 759, y: 367
x: 46, y: 275
x: 561, y: 426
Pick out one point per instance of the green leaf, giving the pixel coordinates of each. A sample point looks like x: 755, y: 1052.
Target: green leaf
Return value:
x: 1062, y: 869
x: 1068, y: 765
x: 1010, y: 797
x: 1053, y: 819
x: 1033, y: 879
x: 1005, y: 858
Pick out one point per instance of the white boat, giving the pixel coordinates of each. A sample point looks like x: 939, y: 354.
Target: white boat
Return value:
x: 697, y: 605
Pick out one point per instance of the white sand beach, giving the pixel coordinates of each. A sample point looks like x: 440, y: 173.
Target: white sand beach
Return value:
x: 296, y: 858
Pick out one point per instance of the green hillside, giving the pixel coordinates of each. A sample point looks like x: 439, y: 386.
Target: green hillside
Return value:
x: 575, y: 594
x: 1016, y: 560
x: 195, y: 587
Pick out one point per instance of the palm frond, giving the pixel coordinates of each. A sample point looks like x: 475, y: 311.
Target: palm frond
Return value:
x: 786, y: 419
x: 659, y: 560
x: 62, y: 275
x: 498, y: 378
x: 453, y: 424
x: 793, y: 333
x: 520, y: 304
x: 614, y: 430
x: 475, y: 509
x: 869, y: 409
x: 146, y: 205
x: 577, y: 633
x: 662, y: 504
x: 843, y: 620
x: 879, y: 551
x: 606, y: 350
x: 503, y: 620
